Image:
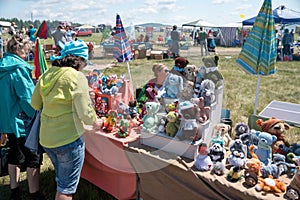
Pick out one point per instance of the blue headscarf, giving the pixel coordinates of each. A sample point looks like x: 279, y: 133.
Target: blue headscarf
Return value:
x: 76, y: 48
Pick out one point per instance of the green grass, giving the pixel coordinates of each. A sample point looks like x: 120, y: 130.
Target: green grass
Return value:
x: 239, y: 96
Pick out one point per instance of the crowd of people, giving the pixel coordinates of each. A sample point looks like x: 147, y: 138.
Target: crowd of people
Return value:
x: 284, y: 43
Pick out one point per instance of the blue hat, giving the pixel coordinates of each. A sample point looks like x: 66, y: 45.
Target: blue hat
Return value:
x: 76, y: 48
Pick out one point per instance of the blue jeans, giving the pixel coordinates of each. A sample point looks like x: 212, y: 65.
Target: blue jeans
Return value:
x: 68, y: 162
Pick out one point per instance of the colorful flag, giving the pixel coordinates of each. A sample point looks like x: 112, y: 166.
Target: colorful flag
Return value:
x: 122, y: 49
x: 43, y: 31
x: 40, y: 62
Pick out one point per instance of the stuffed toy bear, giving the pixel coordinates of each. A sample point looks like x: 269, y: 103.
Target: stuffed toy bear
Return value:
x: 263, y: 149
x: 188, y: 91
x: 190, y: 73
x: 189, y: 127
x: 172, y: 125
x: 223, y: 129
x: 274, y: 127
x: 162, y: 124
x: 202, y: 160
x: 204, y: 110
x: 212, y: 73
x: 199, y: 78
x: 150, y: 120
x: 173, y: 86
x: 240, y: 128
x: 207, y: 91
x: 179, y: 67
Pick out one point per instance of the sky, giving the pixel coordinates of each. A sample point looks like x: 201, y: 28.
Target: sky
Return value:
x: 169, y: 12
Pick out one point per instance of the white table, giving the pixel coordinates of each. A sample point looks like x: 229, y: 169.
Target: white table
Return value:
x: 288, y: 112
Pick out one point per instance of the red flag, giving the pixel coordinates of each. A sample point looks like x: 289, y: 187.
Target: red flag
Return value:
x: 43, y: 31
x: 39, y: 60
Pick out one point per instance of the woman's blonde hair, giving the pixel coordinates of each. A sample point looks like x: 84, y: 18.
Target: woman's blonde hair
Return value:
x: 159, y: 67
x: 18, y: 45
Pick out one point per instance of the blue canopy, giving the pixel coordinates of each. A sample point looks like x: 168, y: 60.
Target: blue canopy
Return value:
x: 282, y: 15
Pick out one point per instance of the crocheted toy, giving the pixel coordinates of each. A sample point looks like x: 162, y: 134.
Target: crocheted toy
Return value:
x: 274, y: 127
x: 150, y: 120
x: 240, y: 128
x: 253, y: 165
x: 216, y: 153
x: 199, y: 78
x: 270, y: 185
x: 237, y: 160
x: 162, y: 125
x: 190, y: 73
x: 124, y: 128
x: 251, y: 178
x: 202, y: 160
x: 207, y: 91
x: 218, y: 169
x: 189, y: 125
x: 179, y: 67
x: 249, y: 139
x: 279, y: 147
x: 293, y: 190
x: 295, y: 149
x: 109, y: 123
x: 212, y: 73
x: 173, y: 86
x: 224, y: 130
x: 204, y: 110
x: 188, y: 91
x: 172, y: 125
x: 263, y: 149
x: 132, y: 109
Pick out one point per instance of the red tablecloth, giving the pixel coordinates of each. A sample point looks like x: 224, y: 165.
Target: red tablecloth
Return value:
x: 106, y: 165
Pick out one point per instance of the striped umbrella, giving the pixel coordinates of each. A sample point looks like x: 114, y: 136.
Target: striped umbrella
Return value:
x: 122, y: 49
x: 258, y: 54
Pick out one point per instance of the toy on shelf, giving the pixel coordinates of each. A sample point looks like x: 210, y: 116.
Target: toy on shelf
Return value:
x: 173, y: 86
x: 240, y: 128
x: 150, y: 120
x: 124, y: 128
x: 172, y: 124
x: 109, y: 123
x: 204, y: 111
x: 223, y: 129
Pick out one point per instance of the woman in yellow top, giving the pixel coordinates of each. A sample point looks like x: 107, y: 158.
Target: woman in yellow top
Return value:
x: 62, y: 95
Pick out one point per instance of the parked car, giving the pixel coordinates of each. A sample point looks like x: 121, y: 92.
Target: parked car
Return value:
x: 83, y: 32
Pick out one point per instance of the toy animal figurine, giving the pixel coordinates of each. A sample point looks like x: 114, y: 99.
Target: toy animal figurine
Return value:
x: 216, y: 153
x: 173, y: 86
x: 190, y: 73
x: 270, y: 185
x: 150, y: 120
x: 202, y: 160
x: 274, y: 127
x: 263, y: 149
x: 172, y: 125
x: 124, y: 128
x: 237, y: 160
x: 207, y: 91
x: 110, y: 121
x: 224, y: 130
x: 204, y: 111
x: 189, y: 126
x: 293, y: 189
x: 240, y: 128
x: 249, y: 138
x: 187, y: 92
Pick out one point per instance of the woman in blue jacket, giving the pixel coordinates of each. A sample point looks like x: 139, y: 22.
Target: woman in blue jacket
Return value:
x: 17, y: 88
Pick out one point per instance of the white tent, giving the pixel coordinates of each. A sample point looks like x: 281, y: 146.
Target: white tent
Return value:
x: 86, y: 26
x: 5, y: 24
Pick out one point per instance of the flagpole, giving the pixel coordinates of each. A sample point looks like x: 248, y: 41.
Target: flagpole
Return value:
x: 130, y: 78
x: 256, y: 94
